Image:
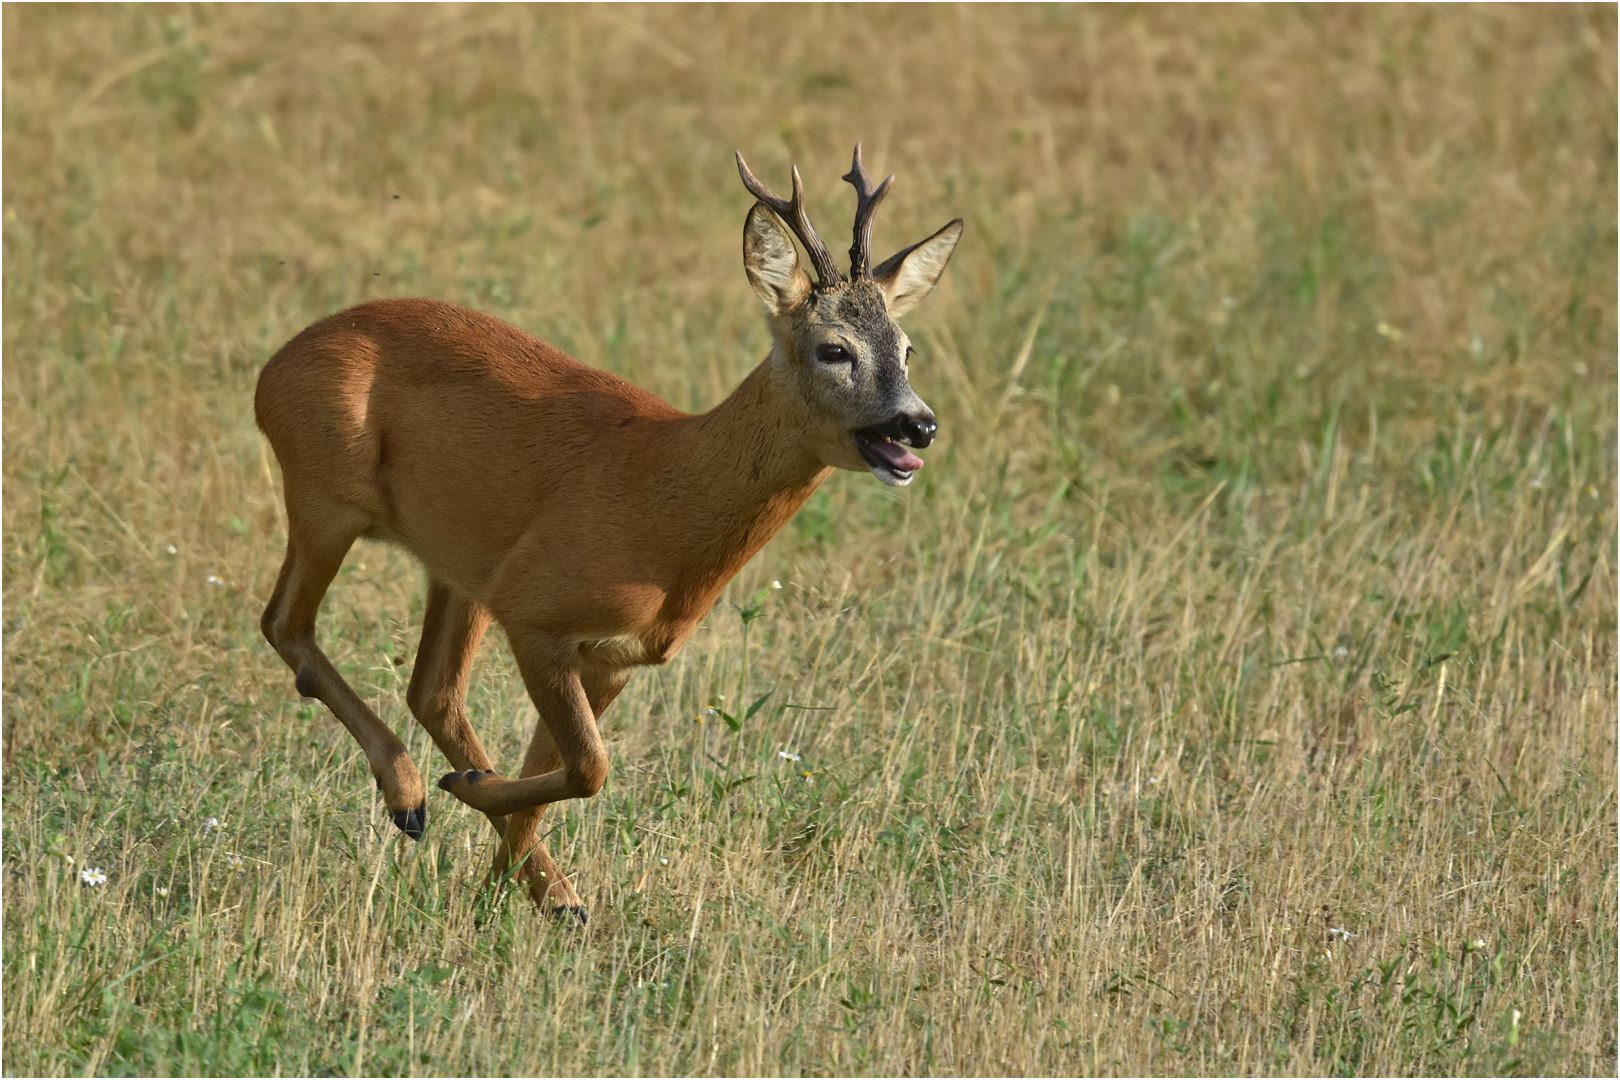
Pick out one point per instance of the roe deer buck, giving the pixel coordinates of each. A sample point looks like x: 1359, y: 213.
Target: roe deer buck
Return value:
x: 595, y: 522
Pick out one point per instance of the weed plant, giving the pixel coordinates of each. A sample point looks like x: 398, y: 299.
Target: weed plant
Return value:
x: 1234, y: 692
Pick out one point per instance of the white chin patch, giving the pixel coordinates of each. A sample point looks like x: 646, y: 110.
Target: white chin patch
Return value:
x: 890, y: 476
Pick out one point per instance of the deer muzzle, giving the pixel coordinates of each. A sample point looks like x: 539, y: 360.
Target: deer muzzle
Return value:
x: 883, y: 446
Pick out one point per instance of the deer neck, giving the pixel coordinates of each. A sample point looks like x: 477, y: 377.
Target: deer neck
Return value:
x: 744, y: 471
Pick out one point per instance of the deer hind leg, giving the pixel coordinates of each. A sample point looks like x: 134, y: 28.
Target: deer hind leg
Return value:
x: 313, y: 558
x: 452, y: 628
x: 565, y: 760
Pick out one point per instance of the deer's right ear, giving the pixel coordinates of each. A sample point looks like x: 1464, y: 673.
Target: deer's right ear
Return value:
x: 772, y: 262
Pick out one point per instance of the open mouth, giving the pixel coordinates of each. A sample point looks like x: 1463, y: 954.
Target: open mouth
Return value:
x: 888, y: 458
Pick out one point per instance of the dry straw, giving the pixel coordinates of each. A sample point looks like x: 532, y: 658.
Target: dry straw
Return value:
x: 1234, y: 693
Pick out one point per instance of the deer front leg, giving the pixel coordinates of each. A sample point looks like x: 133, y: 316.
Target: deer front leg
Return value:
x: 521, y: 845
x: 565, y: 760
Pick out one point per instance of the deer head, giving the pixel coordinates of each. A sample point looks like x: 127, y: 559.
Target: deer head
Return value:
x: 838, y: 360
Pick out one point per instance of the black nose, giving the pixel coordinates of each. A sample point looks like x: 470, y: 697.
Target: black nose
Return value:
x: 918, y: 430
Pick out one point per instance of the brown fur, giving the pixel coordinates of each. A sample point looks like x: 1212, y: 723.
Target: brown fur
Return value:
x: 595, y: 522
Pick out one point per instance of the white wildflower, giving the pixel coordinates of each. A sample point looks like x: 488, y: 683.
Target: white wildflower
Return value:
x: 93, y: 876
x: 212, y: 824
x: 788, y: 755
x: 776, y: 584
x: 212, y: 580
x: 235, y: 862
x: 1340, y: 933
x: 162, y: 890
x: 663, y: 862
x: 171, y: 549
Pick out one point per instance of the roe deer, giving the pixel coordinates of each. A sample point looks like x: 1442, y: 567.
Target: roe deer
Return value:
x: 595, y: 522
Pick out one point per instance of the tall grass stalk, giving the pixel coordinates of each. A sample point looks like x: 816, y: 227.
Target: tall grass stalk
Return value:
x: 1234, y: 692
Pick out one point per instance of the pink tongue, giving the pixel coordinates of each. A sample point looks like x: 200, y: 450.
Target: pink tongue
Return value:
x: 898, y: 456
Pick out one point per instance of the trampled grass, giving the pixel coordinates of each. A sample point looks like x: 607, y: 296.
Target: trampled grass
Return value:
x: 1233, y: 692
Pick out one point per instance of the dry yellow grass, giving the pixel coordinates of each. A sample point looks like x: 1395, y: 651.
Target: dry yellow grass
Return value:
x: 1260, y: 587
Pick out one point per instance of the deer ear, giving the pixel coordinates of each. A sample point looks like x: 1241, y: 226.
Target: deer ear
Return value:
x: 772, y: 262
x: 907, y: 276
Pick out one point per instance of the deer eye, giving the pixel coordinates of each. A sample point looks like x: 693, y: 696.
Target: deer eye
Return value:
x: 833, y: 354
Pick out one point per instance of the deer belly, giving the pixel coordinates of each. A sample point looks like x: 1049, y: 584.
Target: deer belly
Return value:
x: 626, y: 650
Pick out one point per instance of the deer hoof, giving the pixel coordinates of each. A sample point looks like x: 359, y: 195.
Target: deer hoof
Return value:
x: 413, y: 823
x: 572, y: 914
x: 448, y: 781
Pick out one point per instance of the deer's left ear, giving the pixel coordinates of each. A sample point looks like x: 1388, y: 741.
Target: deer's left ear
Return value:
x: 909, y: 275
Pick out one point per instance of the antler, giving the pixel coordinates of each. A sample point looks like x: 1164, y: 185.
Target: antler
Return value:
x: 794, y: 217
x: 866, y: 205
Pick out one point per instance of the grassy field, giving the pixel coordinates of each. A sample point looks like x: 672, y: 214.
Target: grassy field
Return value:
x: 1234, y: 692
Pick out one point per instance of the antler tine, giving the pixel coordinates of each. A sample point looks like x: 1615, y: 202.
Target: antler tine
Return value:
x: 866, y: 204
x: 793, y: 215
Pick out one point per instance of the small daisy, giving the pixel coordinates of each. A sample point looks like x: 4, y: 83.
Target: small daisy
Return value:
x: 211, y: 825
x: 776, y: 584
x: 163, y: 890
x: 171, y: 549
x: 212, y: 580
x: 788, y: 755
x: 93, y: 876
x: 1340, y: 933
x: 663, y: 862
x: 235, y: 862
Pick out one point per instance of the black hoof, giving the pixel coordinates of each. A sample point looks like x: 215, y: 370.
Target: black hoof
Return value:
x: 413, y: 823
x: 447, y: 782
x: 569, y: 913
